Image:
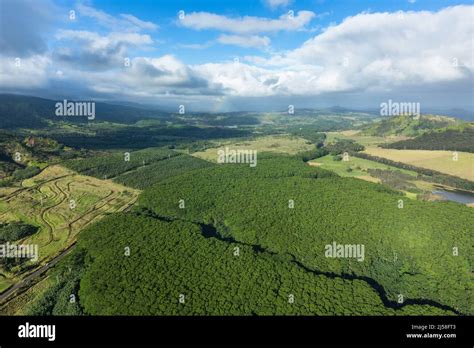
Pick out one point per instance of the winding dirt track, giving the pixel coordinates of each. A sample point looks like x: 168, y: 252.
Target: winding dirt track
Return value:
x: 97, y: 210
x: 26, y: 189
x: 48, y: 209
x: 92, y: 210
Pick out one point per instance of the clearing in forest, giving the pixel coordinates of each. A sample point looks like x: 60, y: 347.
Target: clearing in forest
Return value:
x: 441, y: 161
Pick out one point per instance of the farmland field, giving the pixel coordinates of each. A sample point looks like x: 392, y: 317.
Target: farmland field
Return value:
x: 275, y: 143
x: 60, y: 203
x: 358, y: 166
x: 441, y: 161
x: 361, y: 168
x: 19, y: 305
x: 366, y: 140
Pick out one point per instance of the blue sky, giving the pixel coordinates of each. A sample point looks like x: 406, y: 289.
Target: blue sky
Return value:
x: 172, y: 37
x: 248, y: 54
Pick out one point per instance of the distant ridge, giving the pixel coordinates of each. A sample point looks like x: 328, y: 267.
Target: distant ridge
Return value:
x: 409, y: 125
x: 34, y: 112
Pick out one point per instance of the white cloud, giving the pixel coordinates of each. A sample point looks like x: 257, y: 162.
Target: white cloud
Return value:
x: 98, y: 42
x: 25, y: 26
x: 238, y: 78
x: 370, y: 51
x: 366, y: 53
x: 247, y: 24
x: 24, y: 73
x: 148, y: 77
x: 386, y: 49
x: 197, y: 46
x: 93, y: 50
x: 251, y: 81
x: 245, y: 41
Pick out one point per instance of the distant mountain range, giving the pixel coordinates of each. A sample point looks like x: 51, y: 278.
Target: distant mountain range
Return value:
x: 19, y: 111
x: 33, y: 112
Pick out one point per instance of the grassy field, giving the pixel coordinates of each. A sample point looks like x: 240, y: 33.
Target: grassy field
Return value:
x: 277, y: 144
x: 5, y: 282
x: 354, y: 167
x: 19, y: 304
x: 366, y: 140
x: 45, y: 201
x: 358, y: 168
x: 441, y: 161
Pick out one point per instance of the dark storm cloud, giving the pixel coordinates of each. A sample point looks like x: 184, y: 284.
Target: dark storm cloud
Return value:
x: 24, y: 26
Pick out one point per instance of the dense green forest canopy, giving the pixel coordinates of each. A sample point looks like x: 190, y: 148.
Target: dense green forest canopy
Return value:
x: 111, y: 165
x: 139, y: 137
x: 409, y: 250
x: 171, y: 268
x: 337, y: 148
x: 146, y: 176
x: 13, y: 231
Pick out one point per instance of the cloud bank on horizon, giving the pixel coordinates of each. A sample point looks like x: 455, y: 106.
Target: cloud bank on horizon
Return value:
x: 234, y: 60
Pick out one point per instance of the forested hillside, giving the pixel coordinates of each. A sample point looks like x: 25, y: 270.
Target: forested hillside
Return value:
x: 461, y: 139
x: 408, y: 125
x: 22, y: 157
x: 409, y: 250
x: 231, y: 239
x: 146, y: 176
x: 32, y: 112
x: 109, y: 166
x: 175, y: 268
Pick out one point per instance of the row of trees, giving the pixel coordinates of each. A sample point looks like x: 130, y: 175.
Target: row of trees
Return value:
x: 449, y: 139
x: 113, y: 136
x: 424, y: 173
x: 148, y: 175
x: 337, y: 148
x: 112, y: 165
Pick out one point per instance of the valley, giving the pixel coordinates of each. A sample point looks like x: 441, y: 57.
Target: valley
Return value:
x: 104, y: 215
x: 296, y: 172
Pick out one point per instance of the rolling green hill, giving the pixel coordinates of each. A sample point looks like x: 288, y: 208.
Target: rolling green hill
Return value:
x: 23, y: 157
x: 146, y: 176
x: 408, y: 125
